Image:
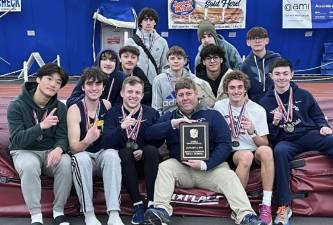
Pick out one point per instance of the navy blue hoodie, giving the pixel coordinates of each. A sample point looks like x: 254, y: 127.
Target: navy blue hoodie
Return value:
x: 117, y: 75
x: 307, y: 114
x: 219, y: 135
x: 250, y: 68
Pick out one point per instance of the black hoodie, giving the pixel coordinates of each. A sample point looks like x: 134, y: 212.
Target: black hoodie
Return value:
x: 116, y: 75
x: 25, y: 133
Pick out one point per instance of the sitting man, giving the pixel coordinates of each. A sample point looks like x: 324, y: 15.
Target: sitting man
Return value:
x: 125, y: 126
x: 129, y: 57
x: 249, y: 136
x: 85, y: 123
x: 38, y: 135
x: 296, y: 124
x: 213, y: 174
x: 108, y: 61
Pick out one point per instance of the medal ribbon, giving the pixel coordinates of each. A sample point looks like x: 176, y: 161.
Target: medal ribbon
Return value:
x: 132, y: 132
x: 287, y: 115
x: 235, y: 128
x: 87, y: 114
x: 36, y: 118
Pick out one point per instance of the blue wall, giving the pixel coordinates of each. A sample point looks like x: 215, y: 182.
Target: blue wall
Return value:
x: 66, y: 28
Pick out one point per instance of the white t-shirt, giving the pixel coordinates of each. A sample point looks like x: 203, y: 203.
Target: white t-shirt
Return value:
x: 254, y: 112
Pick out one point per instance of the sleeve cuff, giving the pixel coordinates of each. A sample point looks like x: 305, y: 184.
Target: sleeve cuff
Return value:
x: 203, y: 166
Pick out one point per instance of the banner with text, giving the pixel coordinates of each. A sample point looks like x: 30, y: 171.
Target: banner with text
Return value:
x: 225, y: 14
x: 10, y: 5
x: 307, y: 14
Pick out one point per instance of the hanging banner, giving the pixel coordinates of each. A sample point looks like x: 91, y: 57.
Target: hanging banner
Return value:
x: 10, y: 5
x: 307, y: 14
x: 225, y: 14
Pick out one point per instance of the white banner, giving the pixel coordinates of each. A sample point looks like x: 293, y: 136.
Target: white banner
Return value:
x: 307, y: 14
x: 10, y: 5
x: 225, y: 14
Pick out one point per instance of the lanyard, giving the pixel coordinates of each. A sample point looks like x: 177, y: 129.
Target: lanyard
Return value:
x: 86, y: 114
x: 236, y: 127
x: 259, y: 73
x: 132, y: 132
x: 36, y: 118
x: 287, y: 115
x: 111, y: 86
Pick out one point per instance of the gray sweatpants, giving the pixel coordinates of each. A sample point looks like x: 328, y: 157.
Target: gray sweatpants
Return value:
x: 30, y: 165
x: 104, y: 163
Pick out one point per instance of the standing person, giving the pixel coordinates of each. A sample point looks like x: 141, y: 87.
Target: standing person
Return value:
x: 38, y: 136
x: 256, y: 64
x: 249, y: 137
x: 213, y: 69
x: 153, y: 48
x: 213, y: 174
x: 164, y: 94
x: 85, y: 124
x: 208, y: 35
x: 108, y: 61
x: 129, y: 57
x: 125, y: 126
x: 296, y: 125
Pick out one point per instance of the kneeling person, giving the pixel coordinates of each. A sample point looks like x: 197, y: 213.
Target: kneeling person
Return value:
x: 85, y: 122
x: 213, y: 174
x: 125, y: 126
x: 249, y: 136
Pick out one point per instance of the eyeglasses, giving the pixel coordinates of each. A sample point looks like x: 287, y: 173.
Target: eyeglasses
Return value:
x: 212, y: 58
x: 257, y: 38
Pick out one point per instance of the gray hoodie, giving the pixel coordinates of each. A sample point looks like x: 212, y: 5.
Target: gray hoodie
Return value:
x: 232, y: 56
x: 158, y: 47
x: 164, y: 94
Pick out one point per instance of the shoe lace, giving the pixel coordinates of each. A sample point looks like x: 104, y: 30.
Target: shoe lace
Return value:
x: 282, y: 211
x: 265, y: 211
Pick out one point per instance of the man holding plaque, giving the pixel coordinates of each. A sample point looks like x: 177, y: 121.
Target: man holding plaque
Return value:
x: 213, y: 174
x: 124, y: 129
x: 249, y: 136
x: 85, y: 120
x: 296, y: 125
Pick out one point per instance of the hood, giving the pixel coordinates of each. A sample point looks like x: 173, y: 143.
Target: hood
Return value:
x: 269, y: 56
x: 219, y: 41
x: 98, y: 58
x: 185, y: 73
x: 28, y: 90
x: 147, y: 37
x: 201, y: 70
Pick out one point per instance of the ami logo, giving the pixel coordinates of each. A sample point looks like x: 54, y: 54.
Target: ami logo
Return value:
x: 296, y: 6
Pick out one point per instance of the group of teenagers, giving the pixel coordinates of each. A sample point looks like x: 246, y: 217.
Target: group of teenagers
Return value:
x: 132, y: 102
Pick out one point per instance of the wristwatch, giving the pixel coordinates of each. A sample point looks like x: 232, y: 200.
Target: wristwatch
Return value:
x: 254, y: 134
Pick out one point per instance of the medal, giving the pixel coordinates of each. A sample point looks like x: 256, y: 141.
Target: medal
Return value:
x: 132, y: 145
x: 86, y: 113
x: 235, y: 144
x: 132, y: 132
x: 288, y: 127
x: 235, y: 127
x: 287, y: 115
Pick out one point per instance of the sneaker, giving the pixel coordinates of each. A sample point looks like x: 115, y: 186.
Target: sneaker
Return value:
x: 252, y: 219
x: 282, y: 215
x: 265, y: 212
x: 156, y: 216
x: 138, y: 214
